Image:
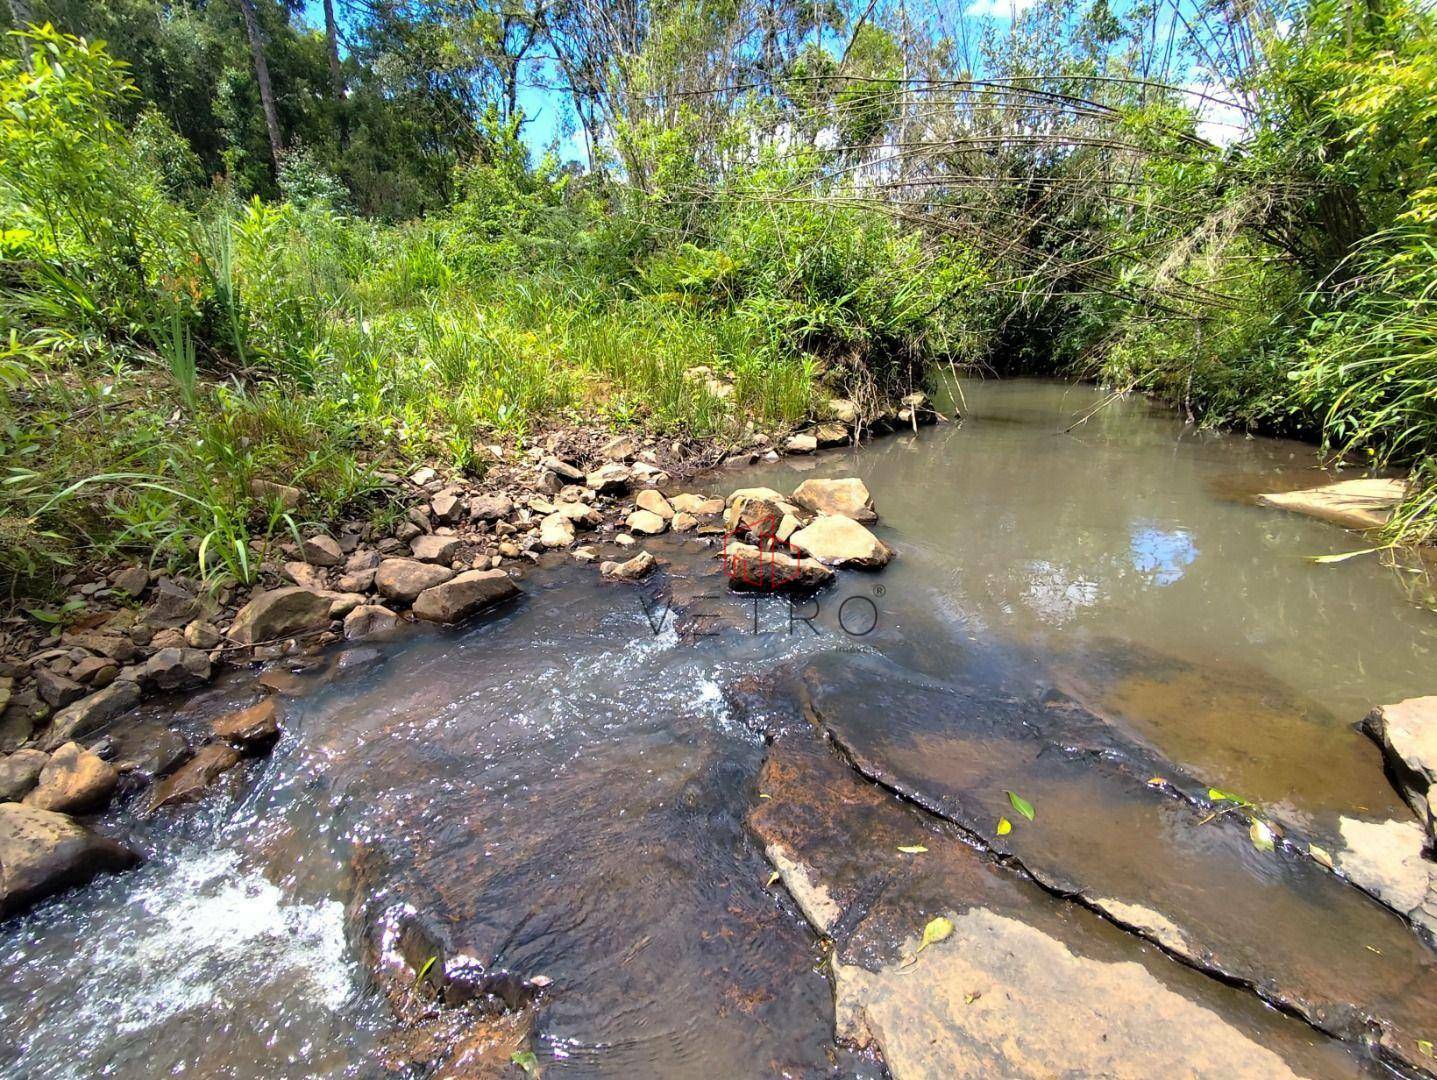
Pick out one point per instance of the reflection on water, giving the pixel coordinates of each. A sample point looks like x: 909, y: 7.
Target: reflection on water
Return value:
x: 1162, y: 554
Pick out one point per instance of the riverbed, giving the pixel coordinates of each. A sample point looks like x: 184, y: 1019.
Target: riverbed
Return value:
x: 564, y: 795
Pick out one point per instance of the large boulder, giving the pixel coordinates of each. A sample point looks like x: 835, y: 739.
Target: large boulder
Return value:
x: 840, y: 541
x: 42, y: 852
x: 645, y: 522
x: 189, y: 782
x: 750, y: 569
x: 405, y: 579
x: 278, y: 613
x: 19, y: 772
x: 848, y: 497
x: 1407, y: 733
x: 462, y: 596
x: 89, y: 714
x: 73, y: 781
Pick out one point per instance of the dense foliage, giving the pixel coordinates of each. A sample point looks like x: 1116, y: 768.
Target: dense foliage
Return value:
x: 236, y: 247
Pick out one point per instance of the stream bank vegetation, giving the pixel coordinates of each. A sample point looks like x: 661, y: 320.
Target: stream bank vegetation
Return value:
x: 238, y: 248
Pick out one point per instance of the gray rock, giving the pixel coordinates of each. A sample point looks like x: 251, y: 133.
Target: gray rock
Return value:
x: 369, y: 620
x: 1407, y: 733
x: 42, y: 853
x: 404, y: 579
x: 305, y: 575
x: 435, y: 549
x: 56, y: 690
x: 610, y: 479
x: 175, y: 668
x: 115, y: 646
x: 132, y: 581
x: 74, y: 780
x: 321, y: 551
x: 563, y: 470
x: 360, y: 581
x: 91, y: 713
x: 490, y: 507
x: 202, y: 635
x: 19, y: 772
x: 95, y: 671
x: 448, y: 507
x: 279, y: 613
x: 171, y: 607
x: 463, y: 595
x: 365, y: 559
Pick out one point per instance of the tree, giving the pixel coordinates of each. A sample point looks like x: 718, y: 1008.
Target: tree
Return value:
x: 336, y: 74
x: 22, y: 16
x: 261, y: 74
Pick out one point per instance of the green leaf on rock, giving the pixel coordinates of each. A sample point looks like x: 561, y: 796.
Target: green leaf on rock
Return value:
x: 526, y: 1060
x: 424, y: 970
x: 939, y: 929
x: 1020, y: 804
x: 1425, y: 1045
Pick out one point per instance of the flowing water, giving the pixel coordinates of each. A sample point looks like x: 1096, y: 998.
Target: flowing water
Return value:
x: 561, y: 791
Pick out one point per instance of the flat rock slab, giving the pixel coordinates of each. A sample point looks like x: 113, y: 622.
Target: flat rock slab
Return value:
x: 1026, y: 985
x: 1355, y: 504
x: 1407, y: 734
x: 1150, y: 860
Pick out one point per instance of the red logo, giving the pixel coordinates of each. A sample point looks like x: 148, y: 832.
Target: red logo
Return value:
x: 754, y: 557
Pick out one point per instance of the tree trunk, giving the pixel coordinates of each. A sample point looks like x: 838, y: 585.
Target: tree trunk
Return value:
x: 336, y: 75
x: 22, y: 17
x: 261, y: 74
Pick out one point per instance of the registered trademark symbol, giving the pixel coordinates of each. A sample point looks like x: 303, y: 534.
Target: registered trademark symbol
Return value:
x: 879, y: 590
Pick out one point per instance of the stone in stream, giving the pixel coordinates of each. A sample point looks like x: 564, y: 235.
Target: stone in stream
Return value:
x: 801, y: 444
x: 1407, y: 733
x: 1387, y: 860
x: 556, y: 531
x: 369, y: 620
x: 278, y: 613
x: 698, y: 505
x: 175, y: 668
x: 835, y: 540
x: 750, y: 569
x: 464, y: 595
x: 654, y: 502
x: 189, y: 782
x: 1355, y: 504
x: 254, y: 728
x: 73, y: 781
x: 1024, y: 985
x: 582, y: 515
x: 848, y: 497
x: 89, y: 714
x: 645, y: 523
x: 630, y: 570
x: 404, y: 579
x: 1276, y: 920
x: 42, y: 853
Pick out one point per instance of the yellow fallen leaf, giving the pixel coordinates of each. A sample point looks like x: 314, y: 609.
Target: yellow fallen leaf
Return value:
x: 1004, y: 826
x: 968, y: 999
x: 1261, y: 834
x: 1425, y: 1045
x: 771, y: 879
x: 939, y: 929
x: 1157, y: 781
x: 761, y: 795
x: 1319, y: 855
x: 913, y: 849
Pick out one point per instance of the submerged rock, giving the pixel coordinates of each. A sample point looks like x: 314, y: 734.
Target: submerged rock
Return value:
x: 848, y: 497
x: 249, y: 729
x: 188, y: 783
x: 1016, y: 984
x: 278, y: 613
x: 74, y: 780
x: 1407, y: 733
x: 751, y: 570
x: 464, y: 595
x: 42, y: 852
x: 1355, y: 504
x: 835, y: 540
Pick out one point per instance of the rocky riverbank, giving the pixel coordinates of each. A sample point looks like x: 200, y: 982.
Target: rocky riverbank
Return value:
x: 457, y: 548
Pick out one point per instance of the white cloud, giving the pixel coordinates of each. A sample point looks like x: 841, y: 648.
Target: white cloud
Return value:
x: 998, y: 9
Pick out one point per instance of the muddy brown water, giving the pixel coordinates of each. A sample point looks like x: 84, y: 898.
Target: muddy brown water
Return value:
x: 562, y: 790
